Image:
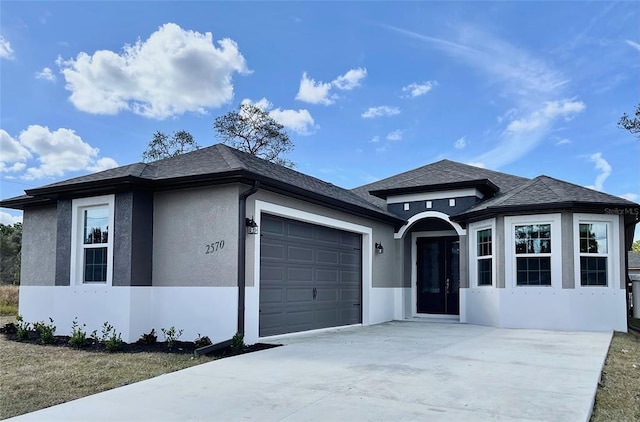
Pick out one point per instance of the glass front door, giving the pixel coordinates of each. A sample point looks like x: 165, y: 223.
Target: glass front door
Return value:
x: 438, y: 282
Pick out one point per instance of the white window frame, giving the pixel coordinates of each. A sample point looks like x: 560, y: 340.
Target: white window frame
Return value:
x: 77, y: 243
x: 613, y: 256
x: 510, y: 250
x: 474, y: 228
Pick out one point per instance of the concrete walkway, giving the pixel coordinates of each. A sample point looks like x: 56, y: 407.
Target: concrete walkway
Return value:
x: 397, y: 371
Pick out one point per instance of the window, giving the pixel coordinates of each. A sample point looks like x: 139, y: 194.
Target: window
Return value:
x: 485, y: 257
x: 95, y: 235
x: 533, y: 254
x: 92, y: 243
x: 481, y: 253
x: 594, y: 250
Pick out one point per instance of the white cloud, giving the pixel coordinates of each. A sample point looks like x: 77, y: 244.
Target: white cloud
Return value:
x: 381, y: 149
x: 415, y: 90
x: 299, y: 121
x: 605, y: 170
x: 477, y: 164
x: 318, y: 92
x: 173, y: 72
x: 14, y: 155
x: 396, y: 135
x: 8, y: 219
x: 351, y: 79
x: 314, y: 92
x: 630, y: 196
x: 460, y: 143
x: 375, y: 139
x: 563, y: 141
x: 523, y: 134
x: 544, y: 117
x: 380, y: 111
x: 6, y: 52
x: 47, y: 74
x: 633, y: 44
x: 56, y: 153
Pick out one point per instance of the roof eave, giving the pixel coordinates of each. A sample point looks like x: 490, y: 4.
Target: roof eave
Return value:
x: 486, y: 186
x: 576, y: 206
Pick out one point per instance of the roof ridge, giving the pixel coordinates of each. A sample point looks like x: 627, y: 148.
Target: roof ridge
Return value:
x: 228, y: 155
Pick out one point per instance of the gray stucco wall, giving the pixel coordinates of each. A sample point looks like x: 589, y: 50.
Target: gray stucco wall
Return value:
x: 464, y: 262
x: 38, y: 265
x: 187, y: 225
x: 568, y: 247
x: 384, y: 271
x: 133, y: 237
x: 499, y: 252
x: 441, y: 205
x: 623, y: 253
x: 63, y: 243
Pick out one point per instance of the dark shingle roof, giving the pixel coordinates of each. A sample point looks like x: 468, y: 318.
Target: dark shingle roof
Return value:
x: 546, y: 192
x: 441, y: 173
x: 208, y: 165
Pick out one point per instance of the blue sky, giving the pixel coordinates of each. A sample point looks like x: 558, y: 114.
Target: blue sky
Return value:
x: 366, y: 89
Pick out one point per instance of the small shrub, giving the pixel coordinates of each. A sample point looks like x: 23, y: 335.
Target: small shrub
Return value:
x: 112, y: 341
x: 237, y: 343
x: 202, y: 341
x: 46, y: 331
x: 78, y: 337
x: 23, y: 328
x: 171, y: 335
x: 149, y: 338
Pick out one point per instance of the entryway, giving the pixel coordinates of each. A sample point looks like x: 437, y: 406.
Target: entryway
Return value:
x: 437, y: 289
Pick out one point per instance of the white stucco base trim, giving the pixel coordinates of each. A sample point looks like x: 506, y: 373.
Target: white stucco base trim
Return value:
x: 545, y: 308
x: 209, y: 311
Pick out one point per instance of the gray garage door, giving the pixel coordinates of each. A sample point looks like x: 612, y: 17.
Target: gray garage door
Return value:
x: 310, y: 276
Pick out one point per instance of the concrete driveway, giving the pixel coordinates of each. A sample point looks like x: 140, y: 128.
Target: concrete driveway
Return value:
x: 397, y: 371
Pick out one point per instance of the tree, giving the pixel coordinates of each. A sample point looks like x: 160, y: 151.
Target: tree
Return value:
x: 635, y: 247
x: 163, y: 146
x: 252, y: 130
x: 10, y: 247
x: 631, y: 124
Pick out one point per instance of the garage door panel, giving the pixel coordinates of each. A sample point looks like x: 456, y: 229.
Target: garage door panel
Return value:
x: 299, y: 258
x: 300, y: 295
x: 300, y: 254
x: 299, y: 230
x: 347, y: 277
x: 271, y: 296
x: 300, y: 274
x: 327, y: 275
x: 350, y: 258
x: 272, y: 251
x: 328, y: 236
x: 350, y: 239
x: 271, y: 273
x: 327, y: 257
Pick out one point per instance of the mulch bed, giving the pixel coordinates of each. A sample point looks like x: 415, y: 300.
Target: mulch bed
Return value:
x: 178, y: 347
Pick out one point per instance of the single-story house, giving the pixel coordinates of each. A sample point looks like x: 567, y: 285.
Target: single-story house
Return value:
x: 218, y: 241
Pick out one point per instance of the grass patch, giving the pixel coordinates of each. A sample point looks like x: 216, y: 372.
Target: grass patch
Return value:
x: 9, y: 300
x: 618, y: 396
x: 9, y: 295
x: 7, y: 310
x: 34, y: 376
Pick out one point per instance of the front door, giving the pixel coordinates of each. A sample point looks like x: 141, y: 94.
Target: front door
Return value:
x: 438, y: 284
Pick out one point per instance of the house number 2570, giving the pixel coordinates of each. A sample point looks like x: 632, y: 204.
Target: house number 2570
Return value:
x: 214, y: 247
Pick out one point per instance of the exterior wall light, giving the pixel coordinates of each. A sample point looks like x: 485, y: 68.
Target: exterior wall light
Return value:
x: 379, y: 248
x: 252, y: 227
